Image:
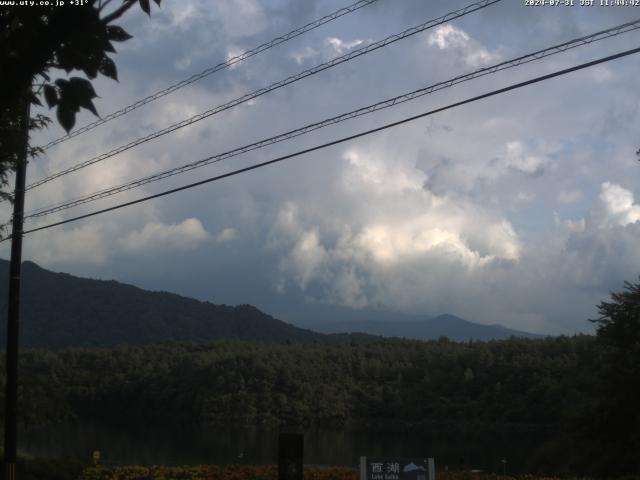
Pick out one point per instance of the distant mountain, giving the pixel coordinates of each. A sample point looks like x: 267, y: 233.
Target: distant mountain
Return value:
x: 59, y: 310
x: 455, y: 328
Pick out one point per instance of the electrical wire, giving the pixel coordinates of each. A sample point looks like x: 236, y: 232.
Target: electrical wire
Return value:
x: 524, y: 59
x: 274, y: 86
x: 341, y: 140
x: 216, y: 68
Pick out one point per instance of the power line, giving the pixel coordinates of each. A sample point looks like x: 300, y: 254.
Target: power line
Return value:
x: 343, y: 139
x: 216, y: 68
x: 274, y: 86
x: 530, y: 57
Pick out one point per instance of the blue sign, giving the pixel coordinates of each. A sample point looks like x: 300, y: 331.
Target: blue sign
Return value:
x: 388, y: 468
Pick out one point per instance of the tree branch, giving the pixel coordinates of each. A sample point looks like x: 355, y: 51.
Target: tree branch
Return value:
x: 102, y: 4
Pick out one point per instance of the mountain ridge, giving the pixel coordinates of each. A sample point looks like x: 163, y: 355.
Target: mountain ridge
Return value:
x: 60, y: 310
x: 444, y: 325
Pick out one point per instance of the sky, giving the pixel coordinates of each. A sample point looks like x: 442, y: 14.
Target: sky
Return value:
x: 522, y: 209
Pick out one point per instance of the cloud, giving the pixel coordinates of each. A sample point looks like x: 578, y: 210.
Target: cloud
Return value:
x: 401, y: 228
x: 570, y: 225
x: 227, y: 235
x: 332, y: 47
x: 86, y: 243
x: 156, y: 236
x: 455, y: 213
x: 304, y: 54
x: 519, y: 158
x: 347, y: 289
x: 340, y: 46
x: 235, y: 17
x: 571, y: 196
x: 619, y: 204
x: 367, y: 173
x: 450, y: 37
x: 601, y: 74
x: 306, y: 257
x: 232, y: 53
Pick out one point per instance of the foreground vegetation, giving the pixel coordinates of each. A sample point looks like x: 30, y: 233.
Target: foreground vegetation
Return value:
x: 263, y: 472
x: 72, y: 469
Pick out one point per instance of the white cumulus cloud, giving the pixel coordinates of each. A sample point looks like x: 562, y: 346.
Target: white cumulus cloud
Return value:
x: 518, y: 157
x: 389, y: 237
x: 619, y: 204
x: 341, y: 46
x: 448, y: 36
x: 182, y: 236
x: 332, y: 47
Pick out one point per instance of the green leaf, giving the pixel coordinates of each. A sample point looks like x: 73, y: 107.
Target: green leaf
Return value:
x: 108, y: 47
x: 67, y: 59
x: 50, y: 95
x: 82, y: 87
x: 81, y: 93
x: 66, y: 116
x: 144, y: 4
x: 117, y: 34
x: 90, y: 65
x: 74, y: 94
x: 108, y: 68
x: 35, y: 100
x: 88, y: 104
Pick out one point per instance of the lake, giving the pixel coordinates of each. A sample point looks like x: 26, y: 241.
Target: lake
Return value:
x: 178, y: 445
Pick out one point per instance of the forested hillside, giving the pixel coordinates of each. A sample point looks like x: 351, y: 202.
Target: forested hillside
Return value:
x: 392, y: 383
x: 60, y: 310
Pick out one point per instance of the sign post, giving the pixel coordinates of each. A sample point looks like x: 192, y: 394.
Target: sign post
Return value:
x: 290, y: 456
x: 391, y: 468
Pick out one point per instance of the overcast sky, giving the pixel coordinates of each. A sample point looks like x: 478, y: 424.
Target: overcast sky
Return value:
x: 521, y: 209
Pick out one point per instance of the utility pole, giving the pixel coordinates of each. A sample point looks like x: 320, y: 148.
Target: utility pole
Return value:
x: 13, y: 312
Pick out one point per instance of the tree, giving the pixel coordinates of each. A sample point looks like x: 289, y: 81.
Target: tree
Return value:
x: 34, y: 40
x: 618, y: 381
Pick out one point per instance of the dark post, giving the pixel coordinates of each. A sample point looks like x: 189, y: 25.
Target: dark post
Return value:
x: 13, y: 316
x: 290, y: 456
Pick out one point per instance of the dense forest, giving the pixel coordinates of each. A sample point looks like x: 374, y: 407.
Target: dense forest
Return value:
x: 516, y: 384
x: 391, y: 383
x: 402, y: 384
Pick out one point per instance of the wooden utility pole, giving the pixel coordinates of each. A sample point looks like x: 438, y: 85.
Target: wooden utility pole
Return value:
x: 13, y: 312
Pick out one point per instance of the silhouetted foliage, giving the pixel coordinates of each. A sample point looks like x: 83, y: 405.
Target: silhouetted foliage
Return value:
x: 398, y: 384
x: 34, y: 40
x: 602, y: 434
x: 617, y: 414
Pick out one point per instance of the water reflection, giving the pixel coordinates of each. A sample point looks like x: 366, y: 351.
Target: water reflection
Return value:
x: 182, y: 445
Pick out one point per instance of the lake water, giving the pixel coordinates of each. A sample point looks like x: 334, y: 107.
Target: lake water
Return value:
x: 188, y: 445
